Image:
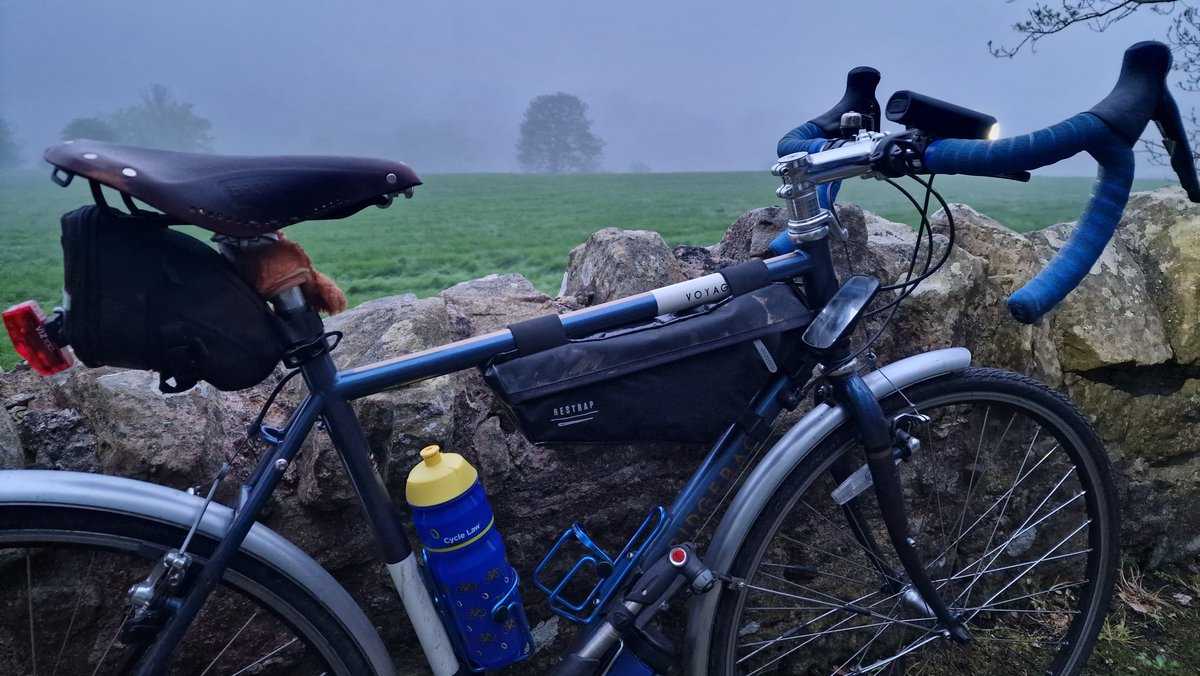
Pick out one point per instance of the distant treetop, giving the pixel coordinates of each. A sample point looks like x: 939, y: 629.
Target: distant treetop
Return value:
x: 556, y: 136
x: 159, y: 121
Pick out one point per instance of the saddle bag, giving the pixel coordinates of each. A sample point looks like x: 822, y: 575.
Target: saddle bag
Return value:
x: 679, y: 378
x: 143, y: 296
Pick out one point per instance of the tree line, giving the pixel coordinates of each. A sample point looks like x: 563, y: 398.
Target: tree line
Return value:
x: 554, y: 137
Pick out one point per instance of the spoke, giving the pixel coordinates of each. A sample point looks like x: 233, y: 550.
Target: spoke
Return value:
x: 108, y: 647
x: 1029, y: 611
x: 264, y: 658
x: 847, y: 607
x: 229, y: 643
x: 831, y: 555
x: 1009, y: 493
x: 979, y: 520
x: 1025, y: 641
x: 849, y: 538
x: 1052, y: 590
x: 1030, y: 567
x: 823, y: 632
x: 1010, y: 566
x: 975, y: 481
x: 912, y: 647
x: 867, y: 646
x: 800, y: 627
x: 74, y: 613
x: 834, y: 602
x: 995, y: 554
x: 29, y: 602
x: 823, y: 573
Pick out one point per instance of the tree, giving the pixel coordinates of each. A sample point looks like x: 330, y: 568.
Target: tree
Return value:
x: 10, y: 156
x: 159, y: 121
x: 94, y: 128
x: 557, y: 137
x: 1182, y: 33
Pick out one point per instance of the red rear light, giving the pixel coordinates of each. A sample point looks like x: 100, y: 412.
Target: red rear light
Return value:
x: 26, y: 327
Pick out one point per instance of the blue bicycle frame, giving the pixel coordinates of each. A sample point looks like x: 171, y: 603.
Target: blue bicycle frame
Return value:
x: 331, y: 391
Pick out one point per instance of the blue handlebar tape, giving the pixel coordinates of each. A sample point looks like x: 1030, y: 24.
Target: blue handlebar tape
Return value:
x: 1038, y: 149
x: 798, y: 139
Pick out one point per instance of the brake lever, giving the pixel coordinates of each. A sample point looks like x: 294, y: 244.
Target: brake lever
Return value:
x: 1170, y: 124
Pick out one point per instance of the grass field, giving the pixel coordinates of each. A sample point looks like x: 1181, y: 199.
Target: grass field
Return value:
x: 460, y: 227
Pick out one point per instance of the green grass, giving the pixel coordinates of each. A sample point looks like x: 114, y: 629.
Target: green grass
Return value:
x: 460, y: 227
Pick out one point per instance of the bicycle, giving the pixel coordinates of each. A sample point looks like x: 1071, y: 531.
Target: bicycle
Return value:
x: 990, y: 542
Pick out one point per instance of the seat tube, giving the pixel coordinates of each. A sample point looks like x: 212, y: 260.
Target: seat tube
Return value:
x: 348, y: 438
x: 346, y: 433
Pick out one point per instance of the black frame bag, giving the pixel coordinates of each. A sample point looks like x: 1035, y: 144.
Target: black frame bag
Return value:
x: 143, y: 296
x: 679, y: 378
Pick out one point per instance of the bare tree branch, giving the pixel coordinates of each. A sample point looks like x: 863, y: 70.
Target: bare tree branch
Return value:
x: 1182, y: 33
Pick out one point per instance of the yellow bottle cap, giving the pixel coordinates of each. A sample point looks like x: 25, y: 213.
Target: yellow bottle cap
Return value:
x: 439, y: 478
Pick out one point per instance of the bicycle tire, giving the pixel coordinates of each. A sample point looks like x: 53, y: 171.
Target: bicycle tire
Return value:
x: 807, y: 598
x: 66, y: 570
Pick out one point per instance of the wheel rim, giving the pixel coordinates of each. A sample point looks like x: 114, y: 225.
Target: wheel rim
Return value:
x: 1008, y: 523
x: 65, y: 612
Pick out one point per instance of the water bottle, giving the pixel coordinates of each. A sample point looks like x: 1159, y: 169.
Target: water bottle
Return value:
x: 476, y: 586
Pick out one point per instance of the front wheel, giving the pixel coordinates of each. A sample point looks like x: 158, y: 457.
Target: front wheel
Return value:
x: 1011, y: 506
x: 65, y: 573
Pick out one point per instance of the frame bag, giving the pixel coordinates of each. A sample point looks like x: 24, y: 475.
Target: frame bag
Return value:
x: 680, y: 378
x: 141, y: 295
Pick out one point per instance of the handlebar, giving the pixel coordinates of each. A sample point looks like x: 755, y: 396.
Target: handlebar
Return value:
x: 1107, y: 132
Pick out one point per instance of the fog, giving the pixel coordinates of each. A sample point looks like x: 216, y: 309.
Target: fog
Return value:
x: 676, y: 86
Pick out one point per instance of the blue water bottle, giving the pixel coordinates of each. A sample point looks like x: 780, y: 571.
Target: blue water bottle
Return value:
x: 477, y: 588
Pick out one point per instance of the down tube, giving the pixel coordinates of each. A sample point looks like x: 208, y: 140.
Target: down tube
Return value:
x: 714, y: 478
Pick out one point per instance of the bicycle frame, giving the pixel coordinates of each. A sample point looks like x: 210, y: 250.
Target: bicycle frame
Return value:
x: 328, y: 401
x: 331, y: 393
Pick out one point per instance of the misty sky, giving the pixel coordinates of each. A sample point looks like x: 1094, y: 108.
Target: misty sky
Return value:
x: 442, y: 85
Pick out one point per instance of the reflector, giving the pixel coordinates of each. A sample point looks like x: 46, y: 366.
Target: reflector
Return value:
x: 26, y: 324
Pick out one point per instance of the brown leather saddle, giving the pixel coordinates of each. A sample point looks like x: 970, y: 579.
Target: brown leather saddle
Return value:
x: 235, y: 195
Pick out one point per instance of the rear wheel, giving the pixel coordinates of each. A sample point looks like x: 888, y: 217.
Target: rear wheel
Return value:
x: 64, y: 576
x: 1010, y: 502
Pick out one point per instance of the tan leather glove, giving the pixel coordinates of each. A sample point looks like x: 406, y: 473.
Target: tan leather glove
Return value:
x: 273, y: 267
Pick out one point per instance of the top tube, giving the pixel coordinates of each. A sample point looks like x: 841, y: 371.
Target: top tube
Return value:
x: 476, y: 351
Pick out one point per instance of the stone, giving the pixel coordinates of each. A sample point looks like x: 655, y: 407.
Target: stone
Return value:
x: 1162, y: 230
x: 963, y: 302
x: 398, y: 422
x: 12, y: 454
x: 750, y: 235
x: 1110, y: 317
x: 1151, y: 413
x: 616, y: 263
x: 178, y: 440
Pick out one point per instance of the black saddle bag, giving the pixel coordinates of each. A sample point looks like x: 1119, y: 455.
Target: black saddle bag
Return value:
x: 141, y: 295
x: 679, y: 378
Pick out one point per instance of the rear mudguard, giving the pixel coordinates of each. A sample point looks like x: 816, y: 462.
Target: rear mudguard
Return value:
x: 777, y: 464
x: 166, y: 505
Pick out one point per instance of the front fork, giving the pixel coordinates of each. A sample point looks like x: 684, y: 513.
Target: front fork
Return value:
x: 851, y: 392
